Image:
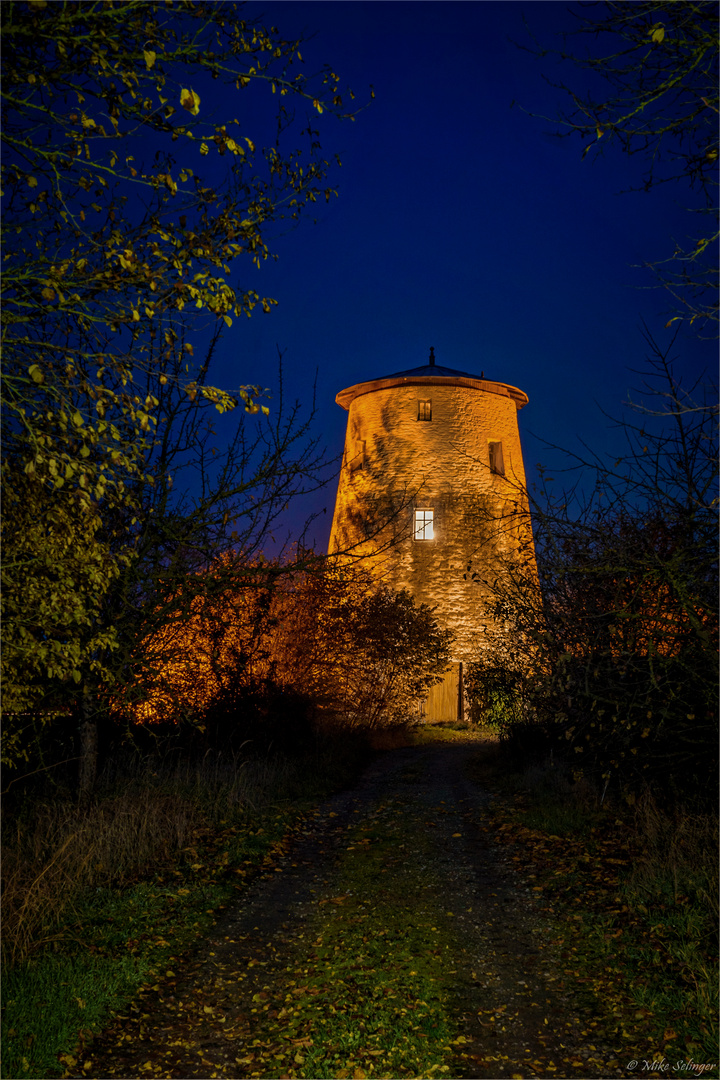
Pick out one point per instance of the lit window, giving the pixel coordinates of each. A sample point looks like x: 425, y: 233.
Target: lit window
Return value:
x: 497, y: 465
x: 423, y: 525
x: 425, y: 410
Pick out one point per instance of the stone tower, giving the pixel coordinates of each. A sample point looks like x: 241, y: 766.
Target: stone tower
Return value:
x: 432, y: 480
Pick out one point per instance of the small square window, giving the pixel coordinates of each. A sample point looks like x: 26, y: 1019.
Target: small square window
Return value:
x: 423, y: 525
x: 425, y: 409
x: 497, y: 465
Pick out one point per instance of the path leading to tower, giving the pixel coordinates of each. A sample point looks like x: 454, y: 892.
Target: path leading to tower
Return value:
x: 395, y: 939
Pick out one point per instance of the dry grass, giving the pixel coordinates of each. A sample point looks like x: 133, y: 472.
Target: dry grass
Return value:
x: 59, y: 851
x: 142, y: 819
x: 680, y: 850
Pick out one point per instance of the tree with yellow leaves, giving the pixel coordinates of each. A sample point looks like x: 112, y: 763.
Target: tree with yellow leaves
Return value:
x: 126, y: 206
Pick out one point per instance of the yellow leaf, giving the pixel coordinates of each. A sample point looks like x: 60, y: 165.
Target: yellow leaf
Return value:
x: 32, y: 182
x: 657, y: 34
x: 204, y: 148
x: 190, y: 101
x: 228, y: 320
x: 48, y: 294
x: 136, y: 315
x: 150, y: 57
x: 36, y: 374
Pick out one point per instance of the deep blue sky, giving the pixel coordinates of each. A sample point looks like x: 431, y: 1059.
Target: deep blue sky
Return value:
x: 464, y: 224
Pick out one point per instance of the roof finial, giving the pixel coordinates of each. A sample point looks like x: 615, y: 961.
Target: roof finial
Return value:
x: 431, y: 361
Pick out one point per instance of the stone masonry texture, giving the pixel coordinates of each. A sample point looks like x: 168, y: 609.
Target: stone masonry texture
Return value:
x: 395, y: 463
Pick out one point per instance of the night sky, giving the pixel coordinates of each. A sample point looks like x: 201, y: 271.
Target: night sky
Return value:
x: 463, y: 223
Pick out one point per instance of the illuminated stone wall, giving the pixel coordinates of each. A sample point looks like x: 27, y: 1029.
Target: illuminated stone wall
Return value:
x: 394, y: 463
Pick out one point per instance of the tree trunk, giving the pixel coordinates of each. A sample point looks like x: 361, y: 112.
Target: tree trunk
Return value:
x: 88, y: 747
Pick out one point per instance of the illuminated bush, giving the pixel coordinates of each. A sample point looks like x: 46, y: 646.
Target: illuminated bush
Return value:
x: 341, y: 648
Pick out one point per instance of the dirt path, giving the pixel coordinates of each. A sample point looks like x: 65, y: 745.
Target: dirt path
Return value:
x: 424, y: 823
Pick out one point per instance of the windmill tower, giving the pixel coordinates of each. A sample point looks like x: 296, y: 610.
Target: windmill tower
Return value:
x: 432, y: 480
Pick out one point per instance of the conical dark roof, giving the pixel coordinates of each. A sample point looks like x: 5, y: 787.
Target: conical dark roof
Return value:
x: 429, y: 374
x: 436, y: 370
x: 431, y: 369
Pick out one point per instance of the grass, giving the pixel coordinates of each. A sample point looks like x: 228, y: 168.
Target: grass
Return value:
x: 636, y: 890
x: 450, y: 731
x: 365, y: 995
x: 117, y: 894
x: 49, y: 1002
x: 119, y: 939
x: 96, y: 902
x: 368, y: 996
